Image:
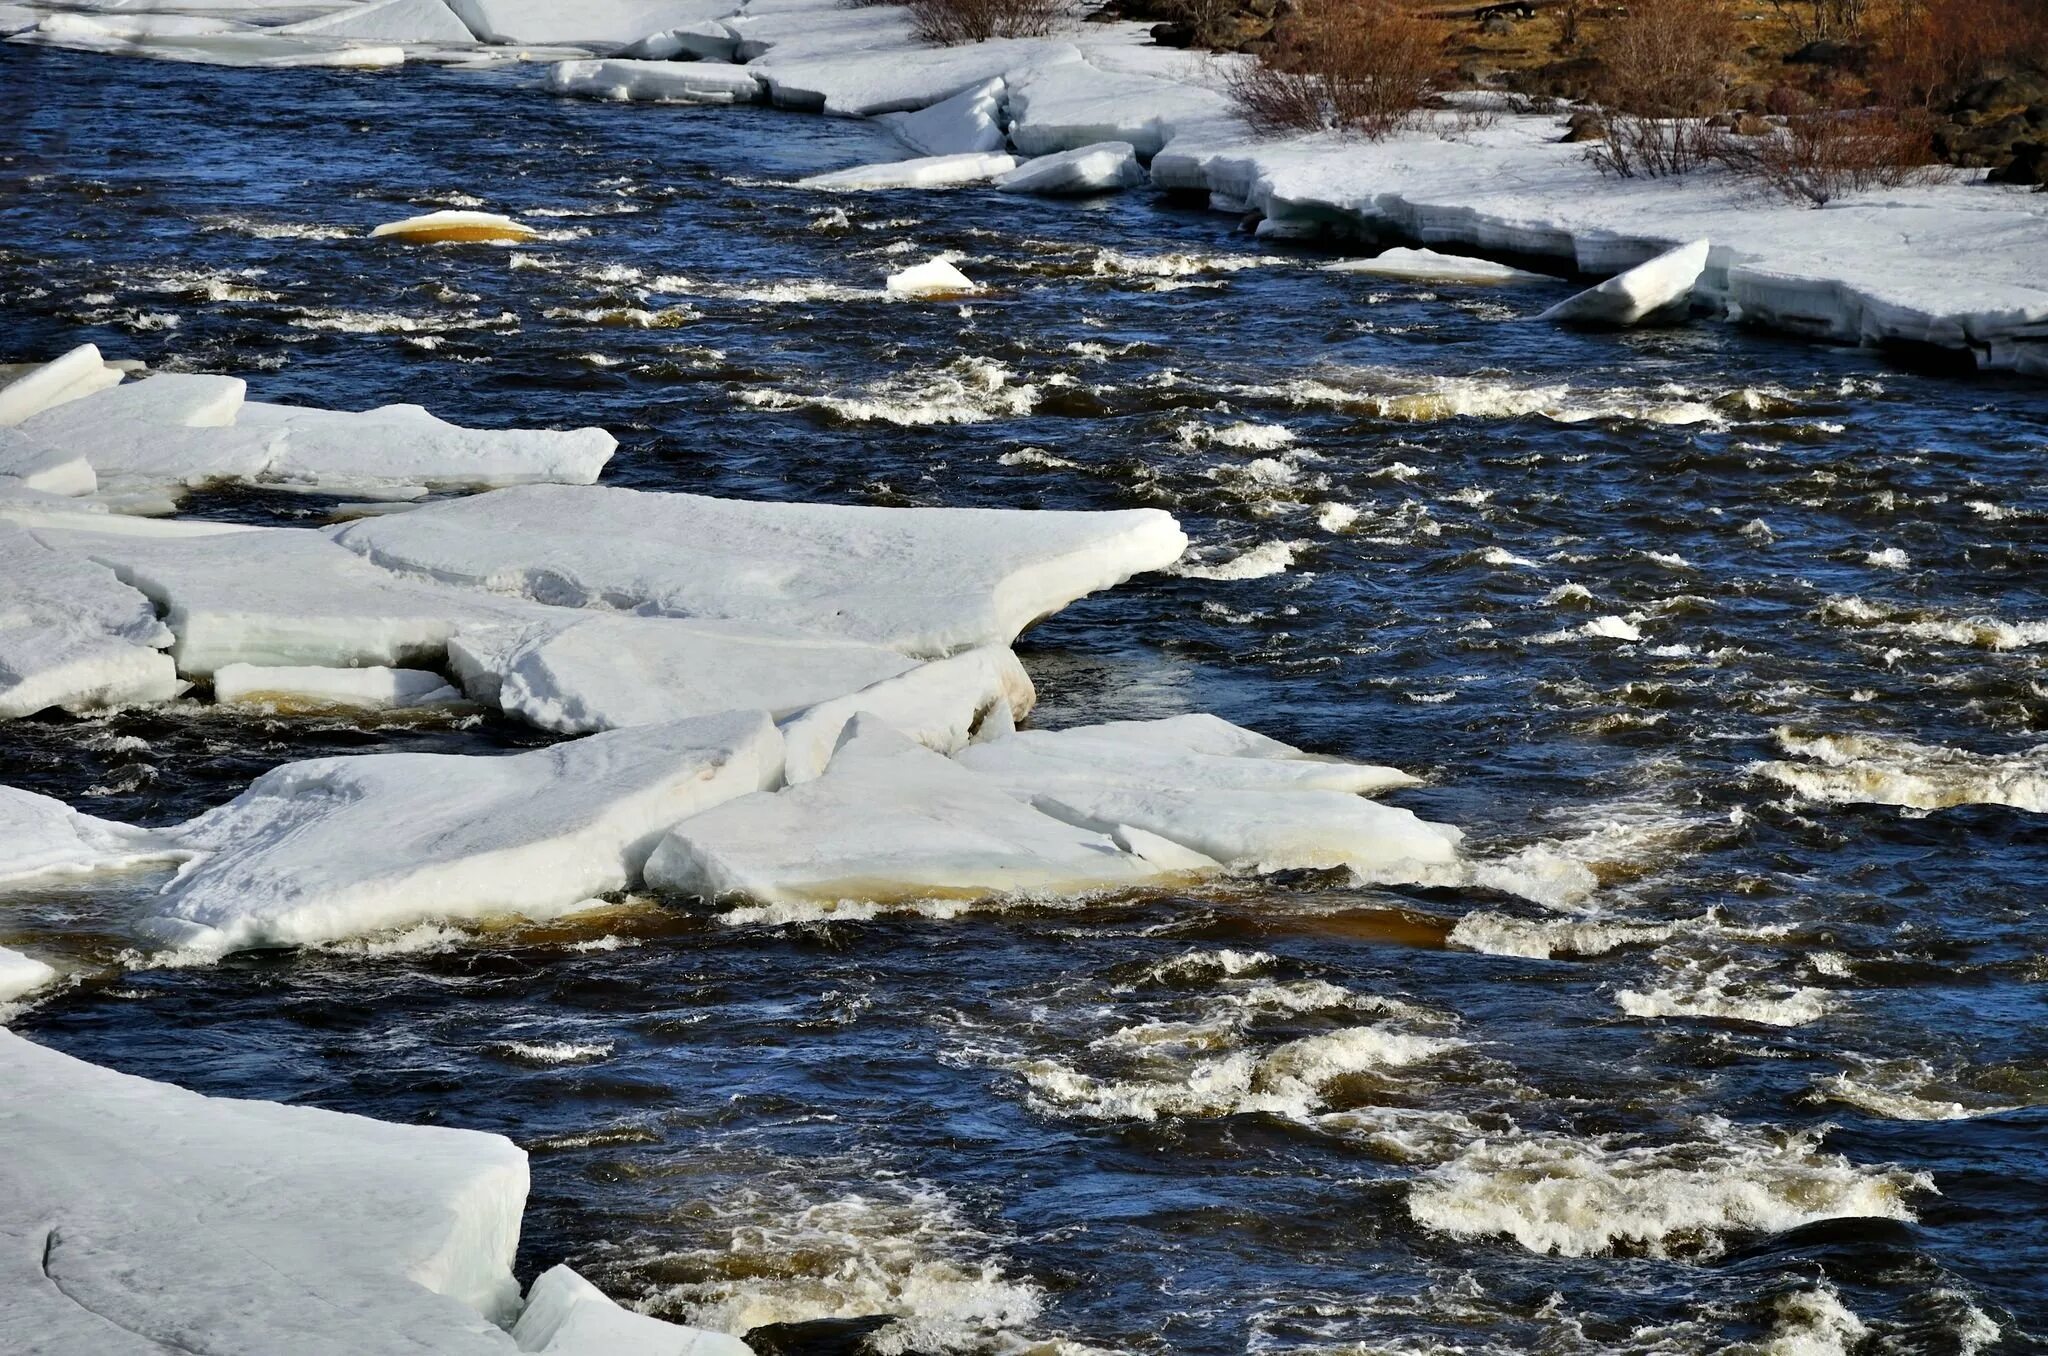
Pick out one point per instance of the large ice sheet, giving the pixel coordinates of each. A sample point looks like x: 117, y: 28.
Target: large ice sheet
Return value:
x: 931, y: 171
x: 670, y: 82
x: 401, y: 21
x: 77, y: 373
x: 175, y: 400
x: 607, y: 671
x: 34, y: 465
x: 941, y: 704
x: 40, y: 836
x: 926, y: 581
x: 72, y: 634
x: 1655, y: 287
x: 1247, y: 801
x: 338, y: 451
x: 275, y: 596
x: 601, y: 24
x: 969, y: 123
x: 337, y: 847
x: 1103, y: 167
x: 890, y: 819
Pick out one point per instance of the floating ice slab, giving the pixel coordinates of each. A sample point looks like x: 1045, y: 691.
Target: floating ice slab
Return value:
x: 1224, y: 792
x: 941, y: 704
x: 1102, y: 168
x: 20, y: 976
x: 926, y: 581
x: 607, y: 672
x: 969, y: 123
x: 444, y: 227
x: 890, y: 819
x: 932, y: 171
x: 78, y: 373
x: 338, y: 847
x: 566, y: 1315
x: 605, y: 25
x: 275, y: 596
x: 174, y: 400
x: 1658, y: 286
x: 207, y: 42
x: 671, y: 82
x: 403, y: 446
x: 41, y: 837
x: 936, y: 278
x: 73, y: 635
x: 305, y: 688
x: 1430, y: 266
x: 401, y: 21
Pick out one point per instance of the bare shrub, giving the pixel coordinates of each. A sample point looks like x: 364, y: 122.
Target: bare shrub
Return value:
x: 947, y: 22
x: 1816, y: 157
x: 1664, y: 73
x: 1813, y: 20
x: 1928, y: 51
x: 1360, y: 66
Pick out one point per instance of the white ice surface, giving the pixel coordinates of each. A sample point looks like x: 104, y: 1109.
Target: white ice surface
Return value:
x: 606, y: 671
x: 888, y: 819
x: 601, y: 24
x: 77, y: 373
x: 204, y: 41
x: 429, y: 224
x: 566, y: 1315
x: 72, y: 634
x: 674, y: 82
x: 1431, y: 266
x: 934, y: 278
x: 35, y: 465
x: 374, y: 689
x: 926, y: 581
x: 40, y: 836
x: 174, y: 400
x: 969, y: 123
x: 338, y: 847
x: 1104, y: 167
x: 1655, y: 286
x: 20, y: 976
x: 403, y: 445
x: 400, y: 21
x: 940, y: 704
x: 1247, y: 801
x: 931, y: 171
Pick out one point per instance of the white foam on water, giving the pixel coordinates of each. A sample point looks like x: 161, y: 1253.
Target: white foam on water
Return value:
x: 626, y: 317
x: 1397, y: 395
x: 968, y: 390
x: 1034, y: 456
x: 1111, y: 263
x: 1717, y: 989
x: 1500, y: 934
x: 1899, y: 1090
x: 276, y: 230
x: 1580, y: 1197
x: 1872, y: 769
x: 1977, y: 631
x: 1335, y: 517
x: 1809, y: 1323
x: 547, y: 1053
x: 1618, y: 841
x: 342, y: 321
x: 1243, y: 436
x: 1260, y: 562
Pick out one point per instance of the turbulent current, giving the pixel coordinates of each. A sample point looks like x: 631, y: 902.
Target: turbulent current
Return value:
x: 1728, y: 653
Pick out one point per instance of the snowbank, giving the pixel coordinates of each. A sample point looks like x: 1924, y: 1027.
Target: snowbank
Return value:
x: 205, y: 41
x: 338, y: 847
x: 925, y: 581
x: 410, y: 22
x: 670, y: 82
x: 605, y: 25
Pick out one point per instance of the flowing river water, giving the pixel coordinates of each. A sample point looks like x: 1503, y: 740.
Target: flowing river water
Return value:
x: 1697, y: 1058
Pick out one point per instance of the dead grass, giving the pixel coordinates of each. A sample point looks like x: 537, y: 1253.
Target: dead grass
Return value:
x: 1359, y: 66
x: 950, y: 22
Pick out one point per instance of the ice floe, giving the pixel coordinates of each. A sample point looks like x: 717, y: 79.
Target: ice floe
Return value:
x: 941, y: 704
x: 454, y: 226
x: 72, y: 635
x: 936, y: 278
x: 135, y: 1210
x: 1421, y: 265
x: 665, y: 82
x: 1874, y: 770
x: 1103, y: 167
x: 338, y: 847
x: 40, y: 836
x: 1651, y: 290
x: 315, y: 689
x: 934, y: 171
x: 926, y: 581
x: 969, y: 123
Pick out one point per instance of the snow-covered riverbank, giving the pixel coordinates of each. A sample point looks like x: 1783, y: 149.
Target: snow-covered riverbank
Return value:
x: 1957, y: 266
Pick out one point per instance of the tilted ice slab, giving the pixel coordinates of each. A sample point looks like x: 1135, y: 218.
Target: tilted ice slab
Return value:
x: 20, y: 976
x: 73, y: 635
x: 309, y: 688
x: 1247, y: 801
x: 1658, y: 286
x: 605, y: 25
x: 77, y: 373
x: 1430, y: 266
x: 672, y: 82
x: 926, y: 581
x: 890, y: 819
x: 942, y: 704
x: 969, y: 123
x: 932, y: 171
x: 42, y: 837
x: 137, y: 1218
x: 1104, y: 167
x: 608, y: 672
x: 338, y: 847
x: 275, y: 596
x: 400, y: 21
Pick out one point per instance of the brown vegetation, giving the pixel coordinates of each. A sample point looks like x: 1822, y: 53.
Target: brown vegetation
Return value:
x: 1816, y: 157
x: 1360, y: 66
x: 947, y: 22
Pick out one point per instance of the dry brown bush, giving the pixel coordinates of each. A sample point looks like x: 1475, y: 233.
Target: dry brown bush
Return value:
x: 1663, y: 73
x: 1360, y: 66
x: 947, y: 22
x: 1927, y: 51
x: 1818, y: 156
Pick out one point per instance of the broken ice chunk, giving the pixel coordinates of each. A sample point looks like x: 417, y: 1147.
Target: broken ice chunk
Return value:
x: 938, y: 278
x: 932, y: 171
x: 72, y: 635
x: 314, y: 689
x: 969, y: 123
x: 1430, y: 266
x: 20, y: 976
x: 78, y: 373
x: 1103, y: 167
x: 40, y: 836
x: 1651, y: 290
x: 454, y: 226
x: 941, y: 705
x: 656, y: 82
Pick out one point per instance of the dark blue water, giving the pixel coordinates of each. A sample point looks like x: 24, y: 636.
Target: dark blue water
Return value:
x: 1580, y: 583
